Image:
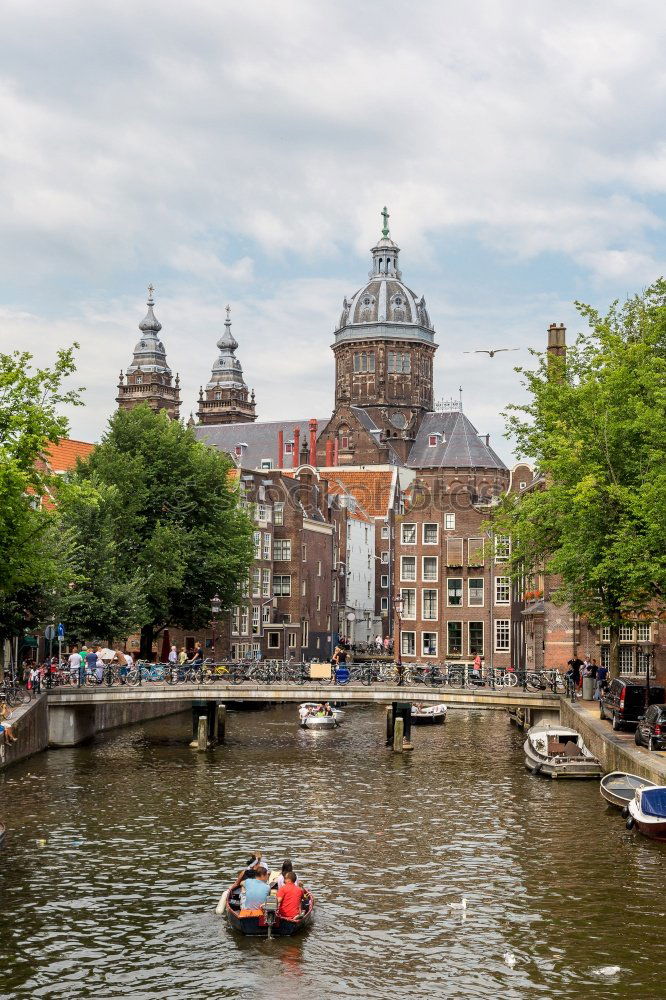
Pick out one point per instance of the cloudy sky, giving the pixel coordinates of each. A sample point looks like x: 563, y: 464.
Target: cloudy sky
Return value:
x: 241, y: 152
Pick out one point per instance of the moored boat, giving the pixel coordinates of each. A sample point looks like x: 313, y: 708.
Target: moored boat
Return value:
x: 265, y: 922
x: 619, y: 788
x: 647, y: 811
x: 424, y: 714
x: 559, y: 752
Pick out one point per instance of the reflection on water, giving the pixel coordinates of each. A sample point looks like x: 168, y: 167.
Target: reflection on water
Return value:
x: 143, y: 833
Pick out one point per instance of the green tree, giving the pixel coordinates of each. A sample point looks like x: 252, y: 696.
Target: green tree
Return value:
x: 31, y: 555
x: 178, y: 529
x: 595, y: 424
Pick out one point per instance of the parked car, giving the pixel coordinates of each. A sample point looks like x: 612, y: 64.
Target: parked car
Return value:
x: 624, y: 701
x: 651, y: 728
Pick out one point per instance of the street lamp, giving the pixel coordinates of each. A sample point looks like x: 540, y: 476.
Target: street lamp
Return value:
x: 398, y: 605
x: 647, y: 649
x: 215, y: 608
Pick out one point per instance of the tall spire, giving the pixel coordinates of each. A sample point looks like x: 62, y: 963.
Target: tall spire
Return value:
x: 149, y: 378
x: 226, y: 398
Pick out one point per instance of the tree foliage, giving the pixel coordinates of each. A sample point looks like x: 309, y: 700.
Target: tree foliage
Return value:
x: 172, y: 523
x: 31, y: 556
x: 595, y: 424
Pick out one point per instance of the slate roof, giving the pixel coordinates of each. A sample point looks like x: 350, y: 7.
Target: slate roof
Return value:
x: 368, y: 423
x: 460, y: 446
x: 261, y: 439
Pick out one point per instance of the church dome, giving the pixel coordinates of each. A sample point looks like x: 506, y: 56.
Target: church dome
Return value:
x: 149, y: 351
x: 385, y: 299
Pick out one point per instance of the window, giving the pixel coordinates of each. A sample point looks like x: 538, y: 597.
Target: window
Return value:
x: 273, y: 640
x: 433, y: 440
x: 281, y: 586
x: 454, y: 638
x: 502, y: 548
x: 267, y: 545
x: 454, y: 592
x: 408, y: 567
x: 643, y: 633
x: 430, y: 534
x: 289, y: 447
x: 263, y: 512
x: 430, y: 571
x: 408, y: 643
x: 408, y: 596
x: 266, y: 613
x: 266, y: 582
x: 502, y: 590
x: 304, y: 588
x: 256, y: 540
x: 475, y: 592
x: 454, y: 551
x: 266, y: 463
x: 450, y: 522
x: 305, y: 632
x: 384, y: 603
x: 641, y: 662
x: 502, y: 634
x: 245, y: 620
x: 292, y: 640
x: 139, y: 380
x: 319, y: 568
x: 318, y: 603
x: 255, y: 619
x: 429, y: 643
x: 282, y: 549
x: 235, y: 620
x: 364, y: 361
x: 605, y: 656
x: 408, y: 533
x: 475, y: 636
x: 384, y: 581
x: 626, y: 659
x: 385, y: 557
x: 304, y: 552
x: 385, y: 531
x: 475, y: 551
x: 278, y: 513
x: 605, y: 633
x: 626, y: 633
x: 429, y: 598
x: 256, y: 582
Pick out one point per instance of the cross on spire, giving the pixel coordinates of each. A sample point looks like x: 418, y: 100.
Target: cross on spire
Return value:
x: 385, y: 216
x: 228, y: 319
x: 151, y: 289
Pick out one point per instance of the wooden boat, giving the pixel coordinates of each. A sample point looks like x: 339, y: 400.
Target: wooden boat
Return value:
x: 309, y: 719
x: 265, y: 922
x: 428, y: 715
x: 559, y: 752
x: 647, y: 811
x: 619, y: 788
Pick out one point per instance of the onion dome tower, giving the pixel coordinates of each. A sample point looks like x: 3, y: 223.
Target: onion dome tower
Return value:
x: 226, y: 399
x: 384, y: 350
x: 148, y: 379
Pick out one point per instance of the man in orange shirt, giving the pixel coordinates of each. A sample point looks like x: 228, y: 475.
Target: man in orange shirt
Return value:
x: 290, y: 897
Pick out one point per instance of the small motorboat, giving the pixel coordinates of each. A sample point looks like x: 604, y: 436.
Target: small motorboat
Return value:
x: 559, y: 752
x: 619, y: 788
x: 428, y: 715
x: 265, y: 922
x: 647, y: 811
x: 311, y: 717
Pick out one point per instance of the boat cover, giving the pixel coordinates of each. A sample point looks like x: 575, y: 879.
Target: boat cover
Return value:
x: 653, y: 801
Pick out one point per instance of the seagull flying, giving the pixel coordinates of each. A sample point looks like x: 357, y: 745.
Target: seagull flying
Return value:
x: 495, y: 350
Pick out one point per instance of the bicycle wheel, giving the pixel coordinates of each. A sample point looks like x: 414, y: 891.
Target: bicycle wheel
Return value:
x: 237, y: 675
x: 455, y: 678
x: 509, y: 680
x: 533, y: 682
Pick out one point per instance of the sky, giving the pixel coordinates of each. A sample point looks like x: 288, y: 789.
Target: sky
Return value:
x: 241, y: 152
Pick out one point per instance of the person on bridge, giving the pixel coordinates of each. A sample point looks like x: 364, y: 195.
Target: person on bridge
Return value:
x: 75, y: 666
x: 198, y: 654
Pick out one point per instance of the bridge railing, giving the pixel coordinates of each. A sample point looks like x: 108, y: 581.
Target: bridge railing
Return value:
x: 276, y: 672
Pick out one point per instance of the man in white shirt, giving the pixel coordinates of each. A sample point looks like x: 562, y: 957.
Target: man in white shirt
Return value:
x: 75, y: 665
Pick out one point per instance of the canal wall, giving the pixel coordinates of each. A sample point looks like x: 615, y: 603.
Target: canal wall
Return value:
x: 30, y: 725
x: 69, y: 725
x: 615, y: 750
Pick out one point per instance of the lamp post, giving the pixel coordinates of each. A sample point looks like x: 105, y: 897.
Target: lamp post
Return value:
x: 398, y: 606
x: 215, y: 608
x: 647, y: 649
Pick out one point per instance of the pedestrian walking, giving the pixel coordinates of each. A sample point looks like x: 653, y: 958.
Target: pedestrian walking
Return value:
x: 74, y: 663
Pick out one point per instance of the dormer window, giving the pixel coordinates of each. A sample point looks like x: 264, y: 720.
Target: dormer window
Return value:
x: 289, y: 447
x: 139, y: 379
x: 218, y: 395
x: 435, y: 439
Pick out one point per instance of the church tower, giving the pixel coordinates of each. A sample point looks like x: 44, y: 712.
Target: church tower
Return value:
x: 148, y: 379
x: 226, y: 399
x: 384, y: 350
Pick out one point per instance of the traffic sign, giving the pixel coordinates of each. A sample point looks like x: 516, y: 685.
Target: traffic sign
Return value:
x: 49, y: 632
x: 61, y: 631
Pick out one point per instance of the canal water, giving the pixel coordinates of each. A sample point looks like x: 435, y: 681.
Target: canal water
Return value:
x: 118, y: 852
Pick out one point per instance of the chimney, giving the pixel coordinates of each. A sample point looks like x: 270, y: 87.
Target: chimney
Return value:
x: 280, y: 461
x: 297, y: 446
x: 329, y: 452
x: 557, y: 340
x: 313, y: 442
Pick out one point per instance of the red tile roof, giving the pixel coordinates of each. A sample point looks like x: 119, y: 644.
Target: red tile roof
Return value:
x: 62, y: 456
x: 371, y: 488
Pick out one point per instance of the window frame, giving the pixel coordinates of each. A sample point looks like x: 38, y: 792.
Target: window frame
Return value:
x: 433, y: 640
x: 482, y: 603
x: 412, y: 525
x: 503, y: 626
x: 497, y: 587
x: 407, y: 579
x: 430, y: 524
x: 407, y: 617
x: 450, y: 627
x: 429, y: 579
x: 449, y: 581
x: 429, y: 617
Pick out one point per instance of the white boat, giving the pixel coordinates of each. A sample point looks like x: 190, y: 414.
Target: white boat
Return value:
x: 559, y: 752
x: 647, y: 811
x: 619, y: 788
x: 424, y: 714
x: 310, y: 717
